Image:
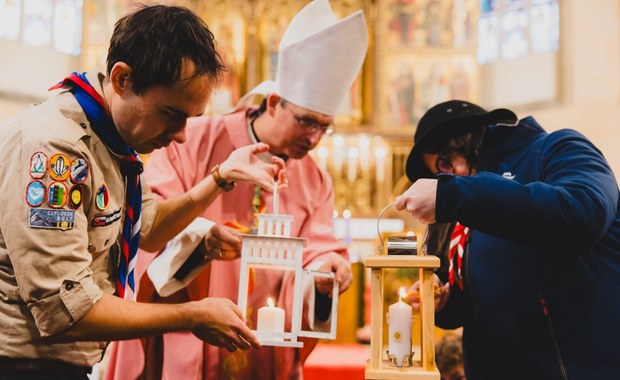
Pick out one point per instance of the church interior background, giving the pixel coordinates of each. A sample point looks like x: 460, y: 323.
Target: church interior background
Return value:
x: 557, y: 60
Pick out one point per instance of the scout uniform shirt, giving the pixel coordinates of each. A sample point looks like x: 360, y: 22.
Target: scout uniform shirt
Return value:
x: 63, y: 201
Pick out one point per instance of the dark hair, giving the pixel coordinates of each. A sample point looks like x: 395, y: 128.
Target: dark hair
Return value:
x: 260, y: 110
x: 465, y: 143
x: 438, y: 243
x: 449, y: 352
x: 155, y: 41
x: 263, y: 107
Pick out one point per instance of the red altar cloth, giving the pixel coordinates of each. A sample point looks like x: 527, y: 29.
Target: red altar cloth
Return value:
x: 337, y: 362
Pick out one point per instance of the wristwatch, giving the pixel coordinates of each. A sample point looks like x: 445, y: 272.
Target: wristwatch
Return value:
x: 226, y: 186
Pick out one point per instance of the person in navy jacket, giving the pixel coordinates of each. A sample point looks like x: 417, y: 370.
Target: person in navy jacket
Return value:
x: 527, y: 226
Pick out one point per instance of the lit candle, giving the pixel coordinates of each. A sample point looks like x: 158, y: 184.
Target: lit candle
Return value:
x: 399, y: 321
x: 275, y: 198
x: 270, y: 319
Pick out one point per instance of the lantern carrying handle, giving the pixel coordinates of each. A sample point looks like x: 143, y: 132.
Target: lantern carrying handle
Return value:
x: 379, y: 230
x: 378, y: 221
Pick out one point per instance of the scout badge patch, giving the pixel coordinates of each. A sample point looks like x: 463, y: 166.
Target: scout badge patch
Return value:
x: 75, y: 196
x: 57, y: 195
x: 59, y: 167
x: 79, y: 170
x: 102, y: 198
x: 35, y: 193
x: 38, y: 165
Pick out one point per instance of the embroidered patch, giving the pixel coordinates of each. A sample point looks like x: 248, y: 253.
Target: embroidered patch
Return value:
x: 59, y: 167
x: 35, y: 193
x: 51, y: 219
x: 102, y: 197
x: 75, y: 196
x: 106, y: 220
x: 57, y: 195
x: 79, y: 170
x: 38, y: 165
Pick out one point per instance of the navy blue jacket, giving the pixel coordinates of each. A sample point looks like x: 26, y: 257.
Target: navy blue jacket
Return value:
x: 542, y: 272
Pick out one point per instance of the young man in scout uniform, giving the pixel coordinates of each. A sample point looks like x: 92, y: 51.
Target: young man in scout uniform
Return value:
x: 75, y: 209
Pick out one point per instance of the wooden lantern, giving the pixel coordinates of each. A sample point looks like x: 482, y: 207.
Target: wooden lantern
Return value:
x: 424, y: 367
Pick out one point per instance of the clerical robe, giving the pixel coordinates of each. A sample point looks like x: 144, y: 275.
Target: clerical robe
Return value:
x: 309, y: 198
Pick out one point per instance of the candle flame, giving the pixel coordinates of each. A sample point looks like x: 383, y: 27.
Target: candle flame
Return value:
x: 270, y: 302
x: 401, y: 294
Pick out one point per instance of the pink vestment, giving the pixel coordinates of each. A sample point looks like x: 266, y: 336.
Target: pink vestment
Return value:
x: 309, y: 198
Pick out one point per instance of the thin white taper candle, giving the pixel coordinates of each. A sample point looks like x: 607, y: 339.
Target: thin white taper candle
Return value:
x: 275, y: 198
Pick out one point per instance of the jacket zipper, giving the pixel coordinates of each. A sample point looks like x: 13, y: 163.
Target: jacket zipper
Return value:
x: 556, y: 346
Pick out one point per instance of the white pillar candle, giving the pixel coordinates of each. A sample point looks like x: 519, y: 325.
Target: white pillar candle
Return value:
x: 399, y: 318
x: 270, y: 319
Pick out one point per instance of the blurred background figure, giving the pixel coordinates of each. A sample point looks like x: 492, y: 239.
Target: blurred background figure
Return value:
x: 449, y: 356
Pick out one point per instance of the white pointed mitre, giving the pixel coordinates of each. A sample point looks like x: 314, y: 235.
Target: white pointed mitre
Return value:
x: 319, y: 57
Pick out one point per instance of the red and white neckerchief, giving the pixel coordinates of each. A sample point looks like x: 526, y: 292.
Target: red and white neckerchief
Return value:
x: 460, y: 236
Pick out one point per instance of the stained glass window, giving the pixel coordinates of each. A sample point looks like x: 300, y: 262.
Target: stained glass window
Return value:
x: 55, y: 24
x: 37, y: 16
x: 510, y: 29
x: 68, y: 26
x: 10, y: 19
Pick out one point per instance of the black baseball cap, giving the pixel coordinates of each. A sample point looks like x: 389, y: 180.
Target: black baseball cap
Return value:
x: 445, y: 120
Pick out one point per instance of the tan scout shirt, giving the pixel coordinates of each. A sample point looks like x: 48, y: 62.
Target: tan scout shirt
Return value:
x: 58, y: 245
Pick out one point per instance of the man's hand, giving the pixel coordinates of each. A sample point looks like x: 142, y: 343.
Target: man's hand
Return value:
x: 420, y: 200
x: 342, y: 272
x: 221, y: 324
x: 441, y: 292
x: 223, y: 243
x: 243, y: 165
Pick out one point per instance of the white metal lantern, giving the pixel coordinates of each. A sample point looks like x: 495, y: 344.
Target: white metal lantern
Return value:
x: 273, y: 248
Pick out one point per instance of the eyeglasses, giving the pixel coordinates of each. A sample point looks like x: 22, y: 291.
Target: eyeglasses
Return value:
x: 443, y: 163
x: 311, y: 126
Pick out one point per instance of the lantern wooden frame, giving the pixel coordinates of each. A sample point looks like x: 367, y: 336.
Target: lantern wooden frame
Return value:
x: 378, y: 367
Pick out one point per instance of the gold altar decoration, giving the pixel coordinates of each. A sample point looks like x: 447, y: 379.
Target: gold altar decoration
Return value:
x: 420, y: 53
